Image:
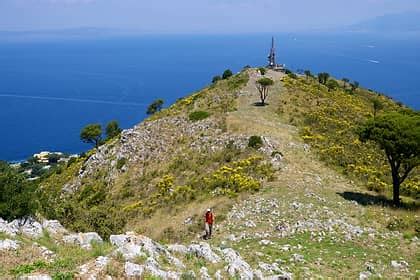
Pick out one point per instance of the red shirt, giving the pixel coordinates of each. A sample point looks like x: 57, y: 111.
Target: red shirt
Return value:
x: 209, y: 218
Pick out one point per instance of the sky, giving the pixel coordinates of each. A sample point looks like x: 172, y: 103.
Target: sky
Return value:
x: 194, y: 16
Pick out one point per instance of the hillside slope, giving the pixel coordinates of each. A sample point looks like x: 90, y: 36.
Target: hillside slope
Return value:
x: 281, y: 209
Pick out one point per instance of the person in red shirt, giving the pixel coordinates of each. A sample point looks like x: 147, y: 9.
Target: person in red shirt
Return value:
x: 209, y: 220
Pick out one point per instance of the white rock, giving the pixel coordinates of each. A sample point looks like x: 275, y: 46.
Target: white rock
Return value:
x: 265, y: 242
x: 364, y: 275
x: 9, y: 244
x: 27, y: 226
x: 203, y: 250
x: 83, y: 239
x: 177, y: 248
x: 204, y: 273
x: 236, y: 265
x: 36, y: 277
x: 8, y: 228
x: 54, y: 227
x: 399, y: 265
x: 132, y: 269
x: 218, y: 275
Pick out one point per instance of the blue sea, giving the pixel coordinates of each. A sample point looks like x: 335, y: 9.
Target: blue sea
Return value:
x: 50, y: 89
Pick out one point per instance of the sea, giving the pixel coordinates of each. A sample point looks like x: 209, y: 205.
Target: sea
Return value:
x: 50, y: 89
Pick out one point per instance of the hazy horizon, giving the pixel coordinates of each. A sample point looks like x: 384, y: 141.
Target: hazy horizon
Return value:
x: 194, y: 16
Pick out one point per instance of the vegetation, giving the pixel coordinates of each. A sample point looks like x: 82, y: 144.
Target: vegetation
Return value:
x: 17, y: 195
x: 216, y: 79
x: 323, y: 78
x: 398, y: 134
x: 262, y: 70
x: 227, y: 74
x: 308, y: 74
x: 255, y: 142
x: 112, y: 129
x: 263, y: 86
x: 198, y: 115
x: 92, y: 133
x: 329, y: 122
x: 155, y: 106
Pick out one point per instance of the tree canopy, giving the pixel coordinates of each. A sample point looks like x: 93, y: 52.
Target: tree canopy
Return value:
x: 227, y: 74
x: 112, y: 129
x: 155, y: 106
x: 263, y: 85
x: 92, y: 133
x: 17, y: 194
x: 323, y: 77
x: 398, y: 134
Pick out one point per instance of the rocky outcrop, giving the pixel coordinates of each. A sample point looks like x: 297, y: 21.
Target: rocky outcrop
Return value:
x: 203, y: 250
x: 84, y: 240
x: 26, y: 226
x: 9, y: 244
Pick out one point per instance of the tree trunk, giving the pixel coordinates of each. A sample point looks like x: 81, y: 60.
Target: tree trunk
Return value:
x: 396, y: 188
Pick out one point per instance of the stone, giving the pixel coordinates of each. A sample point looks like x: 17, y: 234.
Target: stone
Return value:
x: 218, y: 275
x: 297, y: 258
x: 132, y: 269
x: 54, y: 227
x: 35, y: 277
x: 399, y: 265
x: 84, y: 240
x: 204, y: 273
x: 8, y: 228
x: 203, y: 250
x: 9, y: 244
x: 236, y: 265
x: 26, y: 226
x: 364, y: 275
x: 177, y: 248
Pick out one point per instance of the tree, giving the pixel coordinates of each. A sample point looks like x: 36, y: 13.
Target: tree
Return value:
x: 17, y: 194
x: 227, y: 74
x: 155, y: 106
x: 263, y: 86
x: 112, y: 129
x: 308, y: 74
x: 398, y: 134
x: 323, y: 77
x: 354, y: 86
x: 92, y: 133
x: 262, y: 70
x: 216, y: 79
x: 377, y: 106
x: 345, y: 82
x: 332, y: 84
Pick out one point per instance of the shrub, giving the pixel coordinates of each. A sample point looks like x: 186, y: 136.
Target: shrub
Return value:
x: 198, y: 115
x: 17, y: 195
x: 121, y: 162
x: 255, y: 142
x: 227, y: 74
x: 262, y: 70
x: 216, y: 79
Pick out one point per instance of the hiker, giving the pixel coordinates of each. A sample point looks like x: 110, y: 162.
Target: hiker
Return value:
x: 209, y: 219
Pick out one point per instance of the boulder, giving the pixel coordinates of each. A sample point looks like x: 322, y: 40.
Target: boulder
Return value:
x: 177, y: 248
x: 54, y: 227
x: 132, y: 269
x: 7, y: 228
x: 9, y: 244
x: 203, y: 250
x: 26, y: 226
x: 84, y: 240
x: 204, y: 273
x: 236, y: 265
x: 35, y: 277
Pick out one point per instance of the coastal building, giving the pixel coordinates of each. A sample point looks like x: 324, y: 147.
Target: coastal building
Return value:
x: 272, y: 59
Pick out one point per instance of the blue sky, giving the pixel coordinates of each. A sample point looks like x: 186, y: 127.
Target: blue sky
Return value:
x: 194, y: 16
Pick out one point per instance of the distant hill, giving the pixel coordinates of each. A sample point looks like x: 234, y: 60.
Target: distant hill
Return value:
x: 402, y: 22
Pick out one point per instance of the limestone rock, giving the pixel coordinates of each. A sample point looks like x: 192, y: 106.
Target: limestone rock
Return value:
x: 83, y: 239
x: 54, y: 227
x: 9, y: 244
x: 132, y: 269
x: 236, y: 265
x: 204, y: 273
x: 203, y: 250
x: 35, y: 277
x: 177, y: 248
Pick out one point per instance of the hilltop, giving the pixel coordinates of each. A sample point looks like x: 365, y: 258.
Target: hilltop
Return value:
x: 300, y: 201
